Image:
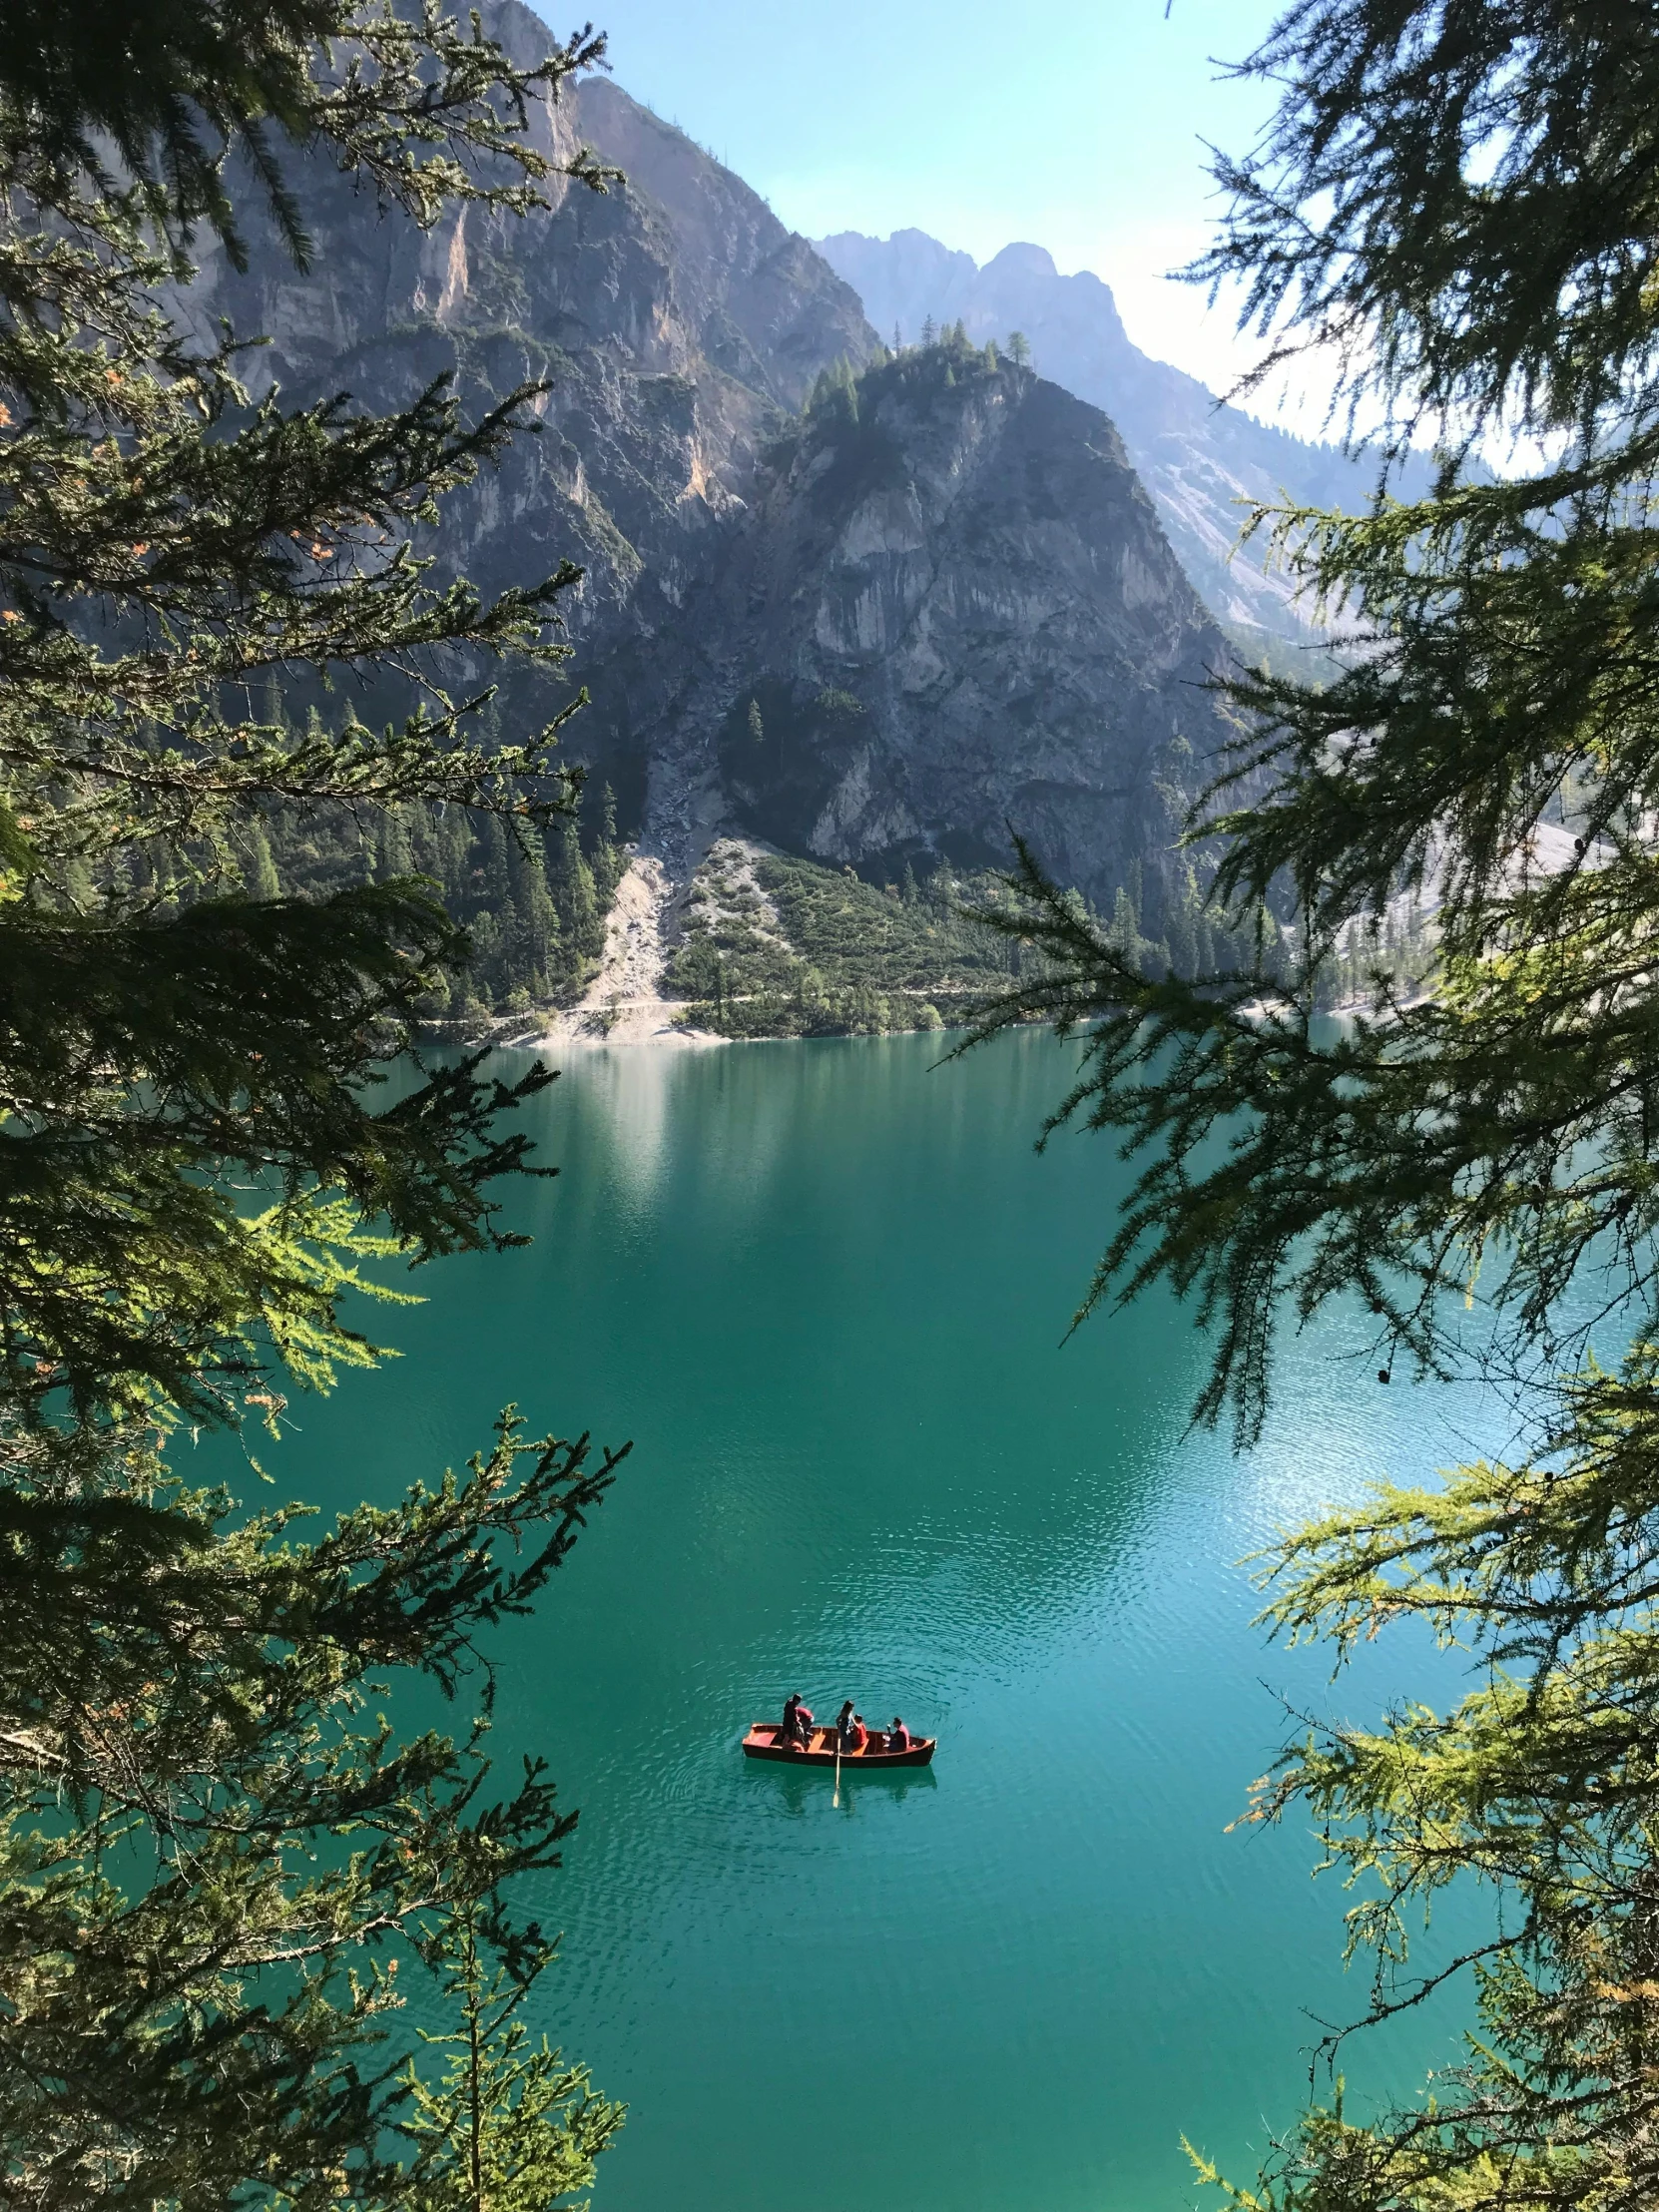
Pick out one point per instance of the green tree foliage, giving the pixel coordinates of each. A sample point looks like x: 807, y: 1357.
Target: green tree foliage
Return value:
x: 509, y: 2127
x: 507, y: 884
x: 818, y: 951
x: 166, y: 89
x: 165, y: 549
x: 213, y: 1852
x: 834, y: 391
x: 1456, y: 200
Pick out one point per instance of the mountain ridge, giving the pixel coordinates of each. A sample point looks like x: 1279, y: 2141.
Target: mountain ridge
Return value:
x: 765, y: 510
x: 1201, y: 458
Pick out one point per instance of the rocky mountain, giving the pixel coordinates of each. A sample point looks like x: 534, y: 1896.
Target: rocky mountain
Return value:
x: 951, y: 609
x: 940, y: 588
x: 676, y: 320
x: 1198, y: 457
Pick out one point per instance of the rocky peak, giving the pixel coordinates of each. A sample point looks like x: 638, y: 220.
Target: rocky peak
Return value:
x: 1022, y: 259
x: 756, y: 300
x: 951, y: 609
x: 1202, y: 462
x: 674, y: 318
x: 942, y: 587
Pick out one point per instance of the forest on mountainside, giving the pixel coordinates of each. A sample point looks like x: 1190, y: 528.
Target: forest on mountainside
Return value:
x: 776, y: 946
x: 531, y: 898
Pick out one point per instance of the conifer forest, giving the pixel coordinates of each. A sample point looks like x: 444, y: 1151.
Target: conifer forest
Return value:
x: 482, y: 599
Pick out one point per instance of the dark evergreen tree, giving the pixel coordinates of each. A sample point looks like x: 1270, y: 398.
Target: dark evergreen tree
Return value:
x: 535, y: 923
x: 1455, y: 201
x: 196, y: 1974
x: 570, y: 878
x: 198, y: 1992
x: 168, y: 549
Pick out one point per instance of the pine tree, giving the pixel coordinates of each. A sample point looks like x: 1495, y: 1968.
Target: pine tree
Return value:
x: 173, y: 549
x: 261, y: 868
x: 1182, y: 924
x: 195, y: 1981
x: 536, y: 927
x: 197, y: 1984
x: 1019, y: 349
x: 394, y: 855
x: 509, y: 2127
x: 570, y: 879
x: 1454, y: 203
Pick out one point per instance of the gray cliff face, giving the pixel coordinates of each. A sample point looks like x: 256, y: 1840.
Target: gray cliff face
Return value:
x: 674, y: 318
x: 1201, y: 460
x: 957, y: 611
x: 955, y: 614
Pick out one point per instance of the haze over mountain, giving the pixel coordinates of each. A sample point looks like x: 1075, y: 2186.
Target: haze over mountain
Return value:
x: 1199, y: 459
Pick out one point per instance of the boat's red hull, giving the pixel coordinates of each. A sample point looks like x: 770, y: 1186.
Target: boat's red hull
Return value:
x: 762, y: 1743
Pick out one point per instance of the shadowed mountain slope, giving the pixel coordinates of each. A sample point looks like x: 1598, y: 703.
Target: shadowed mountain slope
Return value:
x: 942, y: 587
x: 952, y: 609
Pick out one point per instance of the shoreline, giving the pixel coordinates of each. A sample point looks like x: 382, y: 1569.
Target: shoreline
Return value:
x: 559, y: 1028
x: 568, y: 1030
x: 623, y: 1003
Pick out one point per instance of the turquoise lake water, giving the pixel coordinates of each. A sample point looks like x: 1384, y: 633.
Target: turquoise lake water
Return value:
x: 822, y: 1287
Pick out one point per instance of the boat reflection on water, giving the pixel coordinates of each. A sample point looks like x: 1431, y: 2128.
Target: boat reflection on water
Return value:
x: 803, y: 1790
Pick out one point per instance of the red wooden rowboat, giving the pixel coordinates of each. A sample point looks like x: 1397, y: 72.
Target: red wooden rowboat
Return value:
x: 762, y: 1743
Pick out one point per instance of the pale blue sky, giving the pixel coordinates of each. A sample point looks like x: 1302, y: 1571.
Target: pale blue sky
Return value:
x: 1073, y: 123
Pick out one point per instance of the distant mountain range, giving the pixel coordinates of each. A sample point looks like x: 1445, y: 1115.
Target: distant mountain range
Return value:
x: 1197, y: 457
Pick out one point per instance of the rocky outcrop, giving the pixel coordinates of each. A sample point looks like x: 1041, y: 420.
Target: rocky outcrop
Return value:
x: 676, y: 320
x: 951, y: 610
x: 1202, y: 462
x: 928, y: 607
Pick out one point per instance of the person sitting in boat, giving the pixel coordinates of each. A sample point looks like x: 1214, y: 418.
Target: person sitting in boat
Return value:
x: 845, y: 1724
x: 798, y: 1722
x: 861, y: 1734
x: 899, y: 1736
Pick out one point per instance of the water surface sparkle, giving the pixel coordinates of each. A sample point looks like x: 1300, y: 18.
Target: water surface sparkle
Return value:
x: 824, y: 1288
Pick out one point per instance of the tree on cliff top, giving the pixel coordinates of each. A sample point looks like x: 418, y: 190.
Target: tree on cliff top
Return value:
x: 209, y: 1859
x: 1458, y: 201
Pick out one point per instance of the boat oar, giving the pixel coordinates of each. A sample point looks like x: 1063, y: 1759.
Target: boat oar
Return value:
x: 836, y: 1800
